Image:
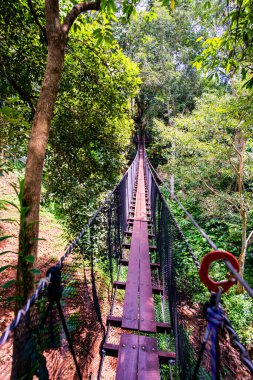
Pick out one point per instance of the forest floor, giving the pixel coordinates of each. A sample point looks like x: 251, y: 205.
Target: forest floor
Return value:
x: 50, y: 250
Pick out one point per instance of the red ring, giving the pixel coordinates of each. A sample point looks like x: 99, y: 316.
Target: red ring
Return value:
x: 204, y: 269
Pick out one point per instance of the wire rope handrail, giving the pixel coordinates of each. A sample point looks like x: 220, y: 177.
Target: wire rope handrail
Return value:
x: 203, y: 233
x: 44, y: 282
x: 244, y: 355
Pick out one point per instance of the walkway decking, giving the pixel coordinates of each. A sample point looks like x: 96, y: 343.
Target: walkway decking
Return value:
x: 138, y: 356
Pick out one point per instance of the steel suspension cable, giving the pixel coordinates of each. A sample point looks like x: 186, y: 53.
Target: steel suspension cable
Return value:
x: 202, y: 232
x: 44, y: 282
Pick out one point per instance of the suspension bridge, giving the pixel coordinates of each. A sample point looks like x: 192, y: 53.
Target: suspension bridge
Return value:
x: 118, y: 304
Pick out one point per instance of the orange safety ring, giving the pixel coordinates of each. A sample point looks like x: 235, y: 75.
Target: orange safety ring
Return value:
x: 204, y: 269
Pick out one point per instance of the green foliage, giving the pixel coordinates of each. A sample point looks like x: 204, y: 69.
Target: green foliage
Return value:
x: 240, y: 308
x: 229, y: 50
x: 92, y: 128
x: 199, y: 150
x: 164, y: 45
x: 22, y: 210
x: 22, y: 60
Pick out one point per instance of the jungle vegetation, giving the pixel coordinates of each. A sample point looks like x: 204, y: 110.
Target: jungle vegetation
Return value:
x: 77, y: 79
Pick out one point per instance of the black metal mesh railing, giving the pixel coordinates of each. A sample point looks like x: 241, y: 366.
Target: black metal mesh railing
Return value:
x: 59, y: 333
x: 186, y: 297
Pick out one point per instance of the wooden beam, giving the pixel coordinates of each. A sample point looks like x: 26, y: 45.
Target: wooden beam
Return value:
x: 164, y: 356
x: 161, y: 327
x: 152, y: 265
x: 122, y: 285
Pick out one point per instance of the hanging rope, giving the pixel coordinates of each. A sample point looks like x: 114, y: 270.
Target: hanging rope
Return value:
x: 215, y: 315
x: 54, y: 294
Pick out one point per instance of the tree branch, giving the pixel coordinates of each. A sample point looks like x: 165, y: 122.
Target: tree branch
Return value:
x: 36, y: 19
x: 82, y: 7
x: 231, y: 202
x: 232, y: 165
x: 237, y: 150
x: 248, y: 239
x: 24, y: 95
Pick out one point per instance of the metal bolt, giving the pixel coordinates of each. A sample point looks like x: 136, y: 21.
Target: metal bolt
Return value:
x: 153, y: 348
x: 142, y: 319
x: 143, y: 347
x: 134, y: 346
x: 124, y: 345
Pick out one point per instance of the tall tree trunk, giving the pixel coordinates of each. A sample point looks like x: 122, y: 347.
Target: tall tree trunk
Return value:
x: 57, y: 35
x: 29, y: 231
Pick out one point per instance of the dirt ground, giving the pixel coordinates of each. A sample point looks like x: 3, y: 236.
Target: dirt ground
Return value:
x: 50, y: 249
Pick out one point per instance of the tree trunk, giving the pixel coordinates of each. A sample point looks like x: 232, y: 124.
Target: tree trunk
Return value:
x: 29, y: 226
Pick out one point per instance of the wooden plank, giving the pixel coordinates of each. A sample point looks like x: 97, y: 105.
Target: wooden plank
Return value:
x: 131, y: 307
x: 147, y: 309
x: 161, y: 327
x: 148, y: 362
x: 126, y: 245
x: 155, y: 265
x: 114, y: 321
x: 119, y: 284
x: 124, y: 262
x: 163, y: 356
x: 122, y: 285
x: 111, y: 349
x: 127, y: 358
x: 157, y: 289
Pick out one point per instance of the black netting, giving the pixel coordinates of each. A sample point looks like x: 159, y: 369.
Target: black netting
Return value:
x: 186, y: 296
x: 61, y: 334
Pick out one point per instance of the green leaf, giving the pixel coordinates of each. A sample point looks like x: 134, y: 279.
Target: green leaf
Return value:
x: 6, y: 267
x: 9, y: 203
x: 5, y: 237
x: 30, y: 259
x: 207, y: 5
x: 35, y: 239
x: 35, y: 271
x: 8, y: 283
x: 249, y: 83
x: 14, y: 186
x: 24, y: 210
x: 9, y: 220
x: 111, y: 5
x: 4, y: 252
x: 199, y: 39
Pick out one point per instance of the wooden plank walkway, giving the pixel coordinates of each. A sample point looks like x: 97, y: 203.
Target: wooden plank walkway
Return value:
x: 138, y: 310
x: 137, y: 358
x: 138, y: 355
